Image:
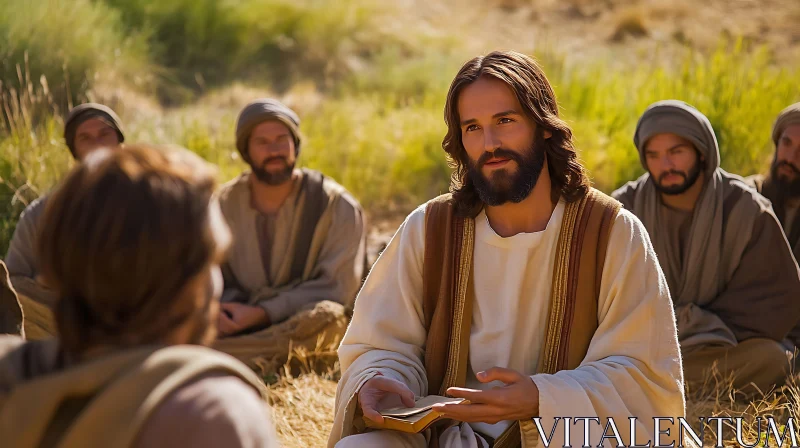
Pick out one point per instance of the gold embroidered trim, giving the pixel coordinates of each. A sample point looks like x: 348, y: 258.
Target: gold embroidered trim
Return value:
x: 459, y: 317
x: 558, y: 295
x: 512, y: 437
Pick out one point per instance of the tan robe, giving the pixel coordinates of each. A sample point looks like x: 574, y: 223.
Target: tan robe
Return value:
x: 138, y: 397
x: 632, y: 367
x: 259, y: 269
x: 36, y: 299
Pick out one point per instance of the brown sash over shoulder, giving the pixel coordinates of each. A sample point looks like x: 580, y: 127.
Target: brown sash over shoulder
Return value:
x: 448, y: 295
x: 317, y: 200
x: 101, y: 402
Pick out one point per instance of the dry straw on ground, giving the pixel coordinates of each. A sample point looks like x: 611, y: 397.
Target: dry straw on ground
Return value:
x: 303, y: 404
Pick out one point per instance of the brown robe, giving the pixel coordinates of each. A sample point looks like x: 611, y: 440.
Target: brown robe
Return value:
x: 759, y: 282
x: 47, y: 401
x: 736, y: 278
x: 790, y: 227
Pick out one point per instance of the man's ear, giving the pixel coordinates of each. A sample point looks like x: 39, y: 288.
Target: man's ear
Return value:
x: 547, y: 134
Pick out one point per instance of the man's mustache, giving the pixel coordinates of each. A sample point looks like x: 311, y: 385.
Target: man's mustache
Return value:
x: 789, y: 165
x: 272, y: 159
x: 500, y: 153
x: 667, y: 173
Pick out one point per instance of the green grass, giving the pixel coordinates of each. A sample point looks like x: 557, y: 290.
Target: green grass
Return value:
x: 737, y: 89
x: 71, y: 44
x: 202, y: 44
x: 371, y: 102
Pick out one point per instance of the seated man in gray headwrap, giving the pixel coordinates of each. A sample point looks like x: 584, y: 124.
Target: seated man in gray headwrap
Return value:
x: 299, y: 245
x: 88, y: 127
x: 730, y: 272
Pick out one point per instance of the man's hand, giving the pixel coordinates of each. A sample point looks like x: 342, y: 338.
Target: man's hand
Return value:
x: 237, y: 317
x: 517, y: 400
x: 383, y: 393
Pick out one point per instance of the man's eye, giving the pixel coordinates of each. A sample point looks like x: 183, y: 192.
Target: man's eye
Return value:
x: 505, y: 120
x: 472, y: 127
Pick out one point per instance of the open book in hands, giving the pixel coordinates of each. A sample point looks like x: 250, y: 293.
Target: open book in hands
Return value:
x: 416, y: 419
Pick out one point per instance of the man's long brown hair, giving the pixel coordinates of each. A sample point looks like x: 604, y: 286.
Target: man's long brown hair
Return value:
x: 121, y: 238
x: 538, y: 101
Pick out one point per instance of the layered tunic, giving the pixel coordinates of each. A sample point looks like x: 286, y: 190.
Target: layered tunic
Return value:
x: 632, y: 367
x: 261, y: 268
x: 729, y: 268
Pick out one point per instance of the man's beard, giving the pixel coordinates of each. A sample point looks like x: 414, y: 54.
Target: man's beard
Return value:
x: 688, y: 180
x: 271, y: 178
x: 790, y: 188
x: 504, y: 186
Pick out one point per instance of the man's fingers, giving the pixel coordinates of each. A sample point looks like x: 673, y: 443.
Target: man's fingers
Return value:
x: 226, y: 326
x: 470, y: 413
x: 474, y: 396
x: 408, y: 399
x: 507, y: 376
x: 394, y: 386
x: 372, y: 414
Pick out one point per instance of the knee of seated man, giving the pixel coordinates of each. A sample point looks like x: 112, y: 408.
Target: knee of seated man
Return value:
x: 386, y: 439
x: 769, y: 352
x: 325, y: 308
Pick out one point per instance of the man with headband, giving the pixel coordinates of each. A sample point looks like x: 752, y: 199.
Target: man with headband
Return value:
x: 299, y: 242
x: 729, y: 270
x: 87, y: 128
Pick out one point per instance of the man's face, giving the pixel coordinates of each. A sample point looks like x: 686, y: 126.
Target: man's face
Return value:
x: 92, y: 134
x: 786, y: 167
x: 505, y: 157
x: 272, y: 152
x: 673, y: 162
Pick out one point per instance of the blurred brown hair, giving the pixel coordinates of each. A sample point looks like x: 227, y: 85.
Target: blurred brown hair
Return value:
x: 538, y: 101
x: 122, y: 236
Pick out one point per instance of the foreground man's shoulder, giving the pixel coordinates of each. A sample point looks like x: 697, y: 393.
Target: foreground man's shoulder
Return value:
x: 214, y: 409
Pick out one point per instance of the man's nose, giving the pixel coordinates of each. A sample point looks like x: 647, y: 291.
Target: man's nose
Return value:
x: 490, y: 141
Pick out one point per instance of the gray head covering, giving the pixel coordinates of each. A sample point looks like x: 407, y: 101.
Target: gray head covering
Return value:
x: 697, y: 272
x: 87, y: 111
x: 787, y: 117
x: 262, y: 110
x: 679, y: 118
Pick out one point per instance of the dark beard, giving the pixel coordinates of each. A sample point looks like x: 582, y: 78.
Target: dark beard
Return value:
x: 788, y: 188
x: 273, y: 178
x: 688, y: 180
x: 506, y: 187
